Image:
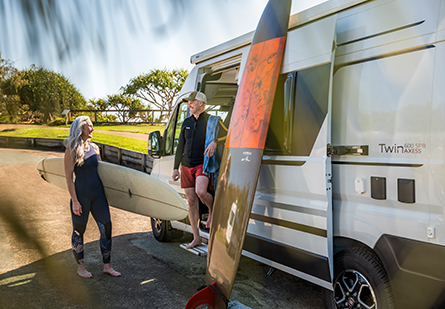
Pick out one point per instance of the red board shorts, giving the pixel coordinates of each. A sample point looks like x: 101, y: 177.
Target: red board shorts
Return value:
x: 189, y: 175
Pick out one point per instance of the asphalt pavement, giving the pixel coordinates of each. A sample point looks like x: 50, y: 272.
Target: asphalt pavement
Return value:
x: 38, y: 270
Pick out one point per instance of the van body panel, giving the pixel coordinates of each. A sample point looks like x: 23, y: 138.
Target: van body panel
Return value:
x: 298, y: 56
x: 437, y: 169
x: 236, y: 43
x: 416, y: 270
x: 386, y: 104
x: 412, y: 20
x: 289, y: 269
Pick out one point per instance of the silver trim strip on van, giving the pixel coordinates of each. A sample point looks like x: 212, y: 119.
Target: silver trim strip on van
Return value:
x: 291, y: 207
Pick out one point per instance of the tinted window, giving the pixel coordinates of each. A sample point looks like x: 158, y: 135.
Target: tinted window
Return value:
x: 299, y: 109
x: 181, y: 117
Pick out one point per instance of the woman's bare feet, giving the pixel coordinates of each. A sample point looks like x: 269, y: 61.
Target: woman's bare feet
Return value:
x: 82, y: 272
x: 109, y: 270
x: 194, y: 243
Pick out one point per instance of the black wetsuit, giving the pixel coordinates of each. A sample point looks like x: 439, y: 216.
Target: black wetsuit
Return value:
x: 91, y: 195
x: 191, y: 144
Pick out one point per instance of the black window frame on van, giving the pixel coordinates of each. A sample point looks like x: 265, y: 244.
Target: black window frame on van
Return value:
x: 171, y: 132
x: 299, y: 110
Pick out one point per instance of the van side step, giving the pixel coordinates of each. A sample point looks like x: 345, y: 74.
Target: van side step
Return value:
x: 198, y: 250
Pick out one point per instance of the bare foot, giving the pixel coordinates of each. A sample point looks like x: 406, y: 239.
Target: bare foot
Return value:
x: 193, y: 244
x: 209, y: 221
x: 111, y: 271
x: 82, y: 272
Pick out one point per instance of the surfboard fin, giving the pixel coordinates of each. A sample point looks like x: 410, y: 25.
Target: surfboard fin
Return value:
x: 206, y: 296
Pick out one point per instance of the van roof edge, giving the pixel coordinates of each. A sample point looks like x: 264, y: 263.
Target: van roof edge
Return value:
x: 297, y: 19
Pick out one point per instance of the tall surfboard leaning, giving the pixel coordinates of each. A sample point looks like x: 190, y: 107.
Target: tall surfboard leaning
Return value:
x: 242, y: 155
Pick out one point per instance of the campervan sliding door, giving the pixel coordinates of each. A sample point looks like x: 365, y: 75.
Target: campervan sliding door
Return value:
x: 290, y: 226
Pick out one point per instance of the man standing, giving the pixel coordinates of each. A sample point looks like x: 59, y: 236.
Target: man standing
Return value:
x: 190, y: 154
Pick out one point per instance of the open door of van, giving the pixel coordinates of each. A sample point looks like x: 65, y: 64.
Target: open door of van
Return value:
x: 291, y: 221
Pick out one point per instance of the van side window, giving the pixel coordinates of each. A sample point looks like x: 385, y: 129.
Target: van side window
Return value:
x: 300, y: 107
x: 171, y: 133
x: 182, y: 114
x: 275, y: 141
x: 168, y: 133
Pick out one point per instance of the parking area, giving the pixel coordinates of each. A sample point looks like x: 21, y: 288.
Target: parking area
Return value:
x: 38, y: 268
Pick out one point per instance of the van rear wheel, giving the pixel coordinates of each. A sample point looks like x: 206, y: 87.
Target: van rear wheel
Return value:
x: 360, y: 281
x: 163, y: 231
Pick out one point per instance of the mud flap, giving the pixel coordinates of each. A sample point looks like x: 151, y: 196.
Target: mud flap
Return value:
x: 206, y: 296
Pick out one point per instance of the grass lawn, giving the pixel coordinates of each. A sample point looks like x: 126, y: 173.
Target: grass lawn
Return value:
x: 104, y: 138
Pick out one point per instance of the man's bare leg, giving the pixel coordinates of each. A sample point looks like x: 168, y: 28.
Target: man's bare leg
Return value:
x: 202, y: 184
x: 192, y: 200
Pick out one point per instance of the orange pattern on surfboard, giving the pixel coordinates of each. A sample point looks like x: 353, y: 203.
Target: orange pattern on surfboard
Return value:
x: 254, y: 101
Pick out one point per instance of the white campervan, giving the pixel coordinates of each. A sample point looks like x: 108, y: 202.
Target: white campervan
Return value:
x: 351, y: 193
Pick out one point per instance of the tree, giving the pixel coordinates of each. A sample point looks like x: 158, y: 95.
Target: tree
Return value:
x: 122, y: 103
x: 46, y: 94
x: 158, y: 88
x: 10, y: 79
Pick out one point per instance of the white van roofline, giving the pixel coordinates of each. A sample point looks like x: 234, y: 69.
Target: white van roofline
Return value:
x: 319, y: 11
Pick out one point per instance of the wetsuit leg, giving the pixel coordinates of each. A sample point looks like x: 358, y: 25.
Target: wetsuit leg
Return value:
x: 105, y: 241
x: 101, y: 213
x: 79, y: 226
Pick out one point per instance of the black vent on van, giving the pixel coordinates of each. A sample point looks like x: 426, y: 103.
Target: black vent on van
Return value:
x: 406, y: 190
x: 378, y: 188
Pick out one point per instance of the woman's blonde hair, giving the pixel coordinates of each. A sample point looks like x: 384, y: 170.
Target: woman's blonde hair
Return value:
x: 74, y: 141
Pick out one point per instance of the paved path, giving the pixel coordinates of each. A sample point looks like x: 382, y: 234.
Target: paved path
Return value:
x: 140, y: 136
x: 37, y: 268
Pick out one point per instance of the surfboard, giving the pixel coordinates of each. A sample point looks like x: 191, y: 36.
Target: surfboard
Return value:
x: 243, y: 152
x: 125, y: 189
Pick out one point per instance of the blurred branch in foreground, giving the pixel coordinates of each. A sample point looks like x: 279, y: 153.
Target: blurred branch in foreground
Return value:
x: 58, y: 29
x: 54, y: 273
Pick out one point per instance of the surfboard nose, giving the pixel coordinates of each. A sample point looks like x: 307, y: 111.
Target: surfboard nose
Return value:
x: 40, y: 169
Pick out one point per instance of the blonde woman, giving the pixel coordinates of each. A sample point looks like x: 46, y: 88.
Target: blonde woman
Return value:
x: 87, y: 193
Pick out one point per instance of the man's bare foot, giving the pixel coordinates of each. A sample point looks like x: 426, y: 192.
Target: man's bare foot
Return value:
x: 193, y: 244
x: 209, y: 221
x: 111, y: 271
x: 82, y: 272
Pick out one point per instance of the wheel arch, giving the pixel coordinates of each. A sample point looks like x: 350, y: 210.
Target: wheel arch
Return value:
x: 342, y: 243
x: 415, y: 269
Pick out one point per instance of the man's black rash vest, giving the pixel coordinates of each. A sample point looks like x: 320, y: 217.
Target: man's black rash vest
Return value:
x: 191, y: 144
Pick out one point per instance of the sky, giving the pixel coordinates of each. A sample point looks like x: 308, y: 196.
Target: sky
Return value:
x: 124, y: 41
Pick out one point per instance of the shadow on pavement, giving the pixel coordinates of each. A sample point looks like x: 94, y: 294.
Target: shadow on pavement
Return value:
x: 146, y: 282
x: 38, y: 270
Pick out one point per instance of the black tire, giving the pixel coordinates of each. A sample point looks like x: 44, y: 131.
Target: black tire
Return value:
x: 163, y: 231
x: 360, y: 281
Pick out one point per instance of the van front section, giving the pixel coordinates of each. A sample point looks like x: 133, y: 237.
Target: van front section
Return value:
x: 351, y: 193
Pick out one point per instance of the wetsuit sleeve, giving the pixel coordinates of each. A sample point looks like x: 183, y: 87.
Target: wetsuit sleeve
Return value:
x: 180, y: 149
